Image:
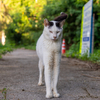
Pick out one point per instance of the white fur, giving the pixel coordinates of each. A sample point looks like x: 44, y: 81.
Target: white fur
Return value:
x: 49, y: 53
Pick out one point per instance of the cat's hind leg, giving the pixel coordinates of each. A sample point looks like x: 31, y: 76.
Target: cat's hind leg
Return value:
x: 41, y: 73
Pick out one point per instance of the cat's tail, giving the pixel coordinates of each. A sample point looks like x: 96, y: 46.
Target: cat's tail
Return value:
x: 62, y: 17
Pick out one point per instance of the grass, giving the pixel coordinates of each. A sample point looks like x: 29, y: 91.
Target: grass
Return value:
x: 30, y: 47
x: 73, y: 52
x: 8, y: 48
x: 4, y: 49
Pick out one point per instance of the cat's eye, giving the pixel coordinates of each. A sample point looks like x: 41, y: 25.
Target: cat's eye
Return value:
x: 58, y: 31
x: 50, y: 31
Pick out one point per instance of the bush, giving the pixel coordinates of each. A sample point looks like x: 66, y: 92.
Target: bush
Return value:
x: 74, y: 53
x: 72, y: 27
x: 4, y: 49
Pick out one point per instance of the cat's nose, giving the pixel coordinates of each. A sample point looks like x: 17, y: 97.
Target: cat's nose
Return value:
x: 54, y: 37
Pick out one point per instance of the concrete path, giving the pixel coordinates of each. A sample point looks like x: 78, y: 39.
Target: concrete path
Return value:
x: 19, y: 75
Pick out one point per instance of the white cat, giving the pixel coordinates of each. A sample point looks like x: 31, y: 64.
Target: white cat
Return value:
x: 49, y: 52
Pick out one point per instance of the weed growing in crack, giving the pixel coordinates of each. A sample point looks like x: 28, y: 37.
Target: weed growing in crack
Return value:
x: 4, y: 93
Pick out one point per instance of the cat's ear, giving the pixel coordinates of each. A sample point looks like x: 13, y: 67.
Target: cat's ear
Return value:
x: 62, y: 17
x: 46, y: 22
x: 62, y: 23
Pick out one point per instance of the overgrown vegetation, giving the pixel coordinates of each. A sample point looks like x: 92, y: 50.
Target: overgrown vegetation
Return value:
x: 26, y: 24
x: 72, y: 27
x: 4, y: 49
x: 74, y: 53
x: 27, y: 19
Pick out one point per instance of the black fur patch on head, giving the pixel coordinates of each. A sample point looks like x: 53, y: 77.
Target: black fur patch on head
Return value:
x: 51, y: 24
x: 58, y: 24
x: 63, y: 16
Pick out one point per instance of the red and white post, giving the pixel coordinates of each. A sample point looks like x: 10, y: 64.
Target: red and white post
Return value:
x: 63, y: 47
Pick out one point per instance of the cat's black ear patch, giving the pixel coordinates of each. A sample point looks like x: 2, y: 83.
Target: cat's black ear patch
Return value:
x: 62, y: 17
x: 51, y: 24
x: 58, y: 25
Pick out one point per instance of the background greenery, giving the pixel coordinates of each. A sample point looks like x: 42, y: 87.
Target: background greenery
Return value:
x: 22, y: 21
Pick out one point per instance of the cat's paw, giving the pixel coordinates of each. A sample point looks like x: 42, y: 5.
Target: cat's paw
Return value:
x: 41, y: 84
x: 56, y: 95
x: 49, y: 96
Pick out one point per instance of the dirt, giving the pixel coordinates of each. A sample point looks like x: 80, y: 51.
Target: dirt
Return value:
x: 19, y: 75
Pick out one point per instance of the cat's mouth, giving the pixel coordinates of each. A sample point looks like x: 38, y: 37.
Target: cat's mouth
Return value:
x: 55, y: 39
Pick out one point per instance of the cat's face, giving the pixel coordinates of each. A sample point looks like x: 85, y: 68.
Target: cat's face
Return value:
x: 53, y: 29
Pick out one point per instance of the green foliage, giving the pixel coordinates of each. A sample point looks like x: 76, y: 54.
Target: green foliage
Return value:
x: 4, y: 49
x: 30, y: 47
x: 74, y: 53
x: 9, y: 47
x: 4, y: 93
x: 95, y: 57
x: 72, y: 27
x: 4, y: 15
x: 26, y: 21
x: 97, y: 26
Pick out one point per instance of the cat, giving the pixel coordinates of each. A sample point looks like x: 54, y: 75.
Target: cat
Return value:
x: 48, y: 49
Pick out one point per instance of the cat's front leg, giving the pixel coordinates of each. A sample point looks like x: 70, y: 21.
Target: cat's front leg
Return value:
x: 48, y: 71
x: 48, y: 82
x: 56, y: 74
